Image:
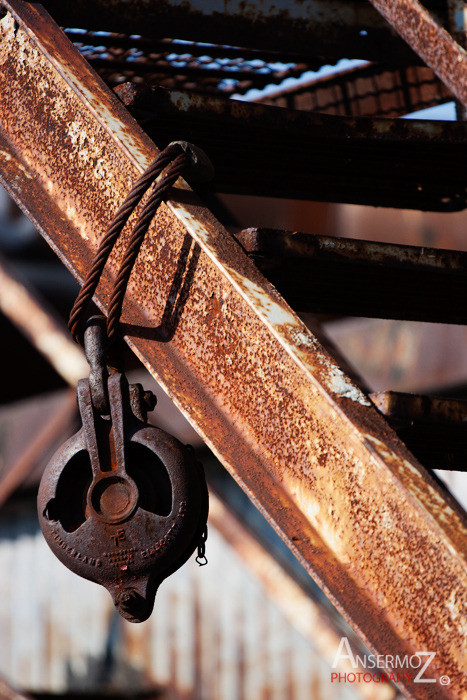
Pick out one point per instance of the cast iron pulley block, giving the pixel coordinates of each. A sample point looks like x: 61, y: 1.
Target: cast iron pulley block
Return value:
x: 122, y: 503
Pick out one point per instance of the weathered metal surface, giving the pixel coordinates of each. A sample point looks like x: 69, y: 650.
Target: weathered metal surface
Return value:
x: 318, y: 28
x: 261, y: 150
x: 39, y: 323
x: 132, y: 510
x: 434, y: 429
x: 430, y: 41
x: 301, y: 438
x: 323, y: 274
x: 367, y: 91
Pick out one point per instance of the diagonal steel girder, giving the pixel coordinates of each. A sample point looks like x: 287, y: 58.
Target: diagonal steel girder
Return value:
x: 425, y: 35
x: 369, y: 523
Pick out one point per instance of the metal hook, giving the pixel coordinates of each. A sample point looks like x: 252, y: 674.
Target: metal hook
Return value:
x: 95, y: 349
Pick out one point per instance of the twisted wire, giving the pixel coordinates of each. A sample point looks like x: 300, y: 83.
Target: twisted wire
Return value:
x: 159, y: 193
x: 115, y: 228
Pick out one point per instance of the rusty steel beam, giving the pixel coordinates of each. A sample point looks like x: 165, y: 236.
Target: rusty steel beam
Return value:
x: 329, y: 275
x: 434, y: 429
x: 425, y: 35
x: 366, y: 520
x: 261, y: 150
x: 318, y: 28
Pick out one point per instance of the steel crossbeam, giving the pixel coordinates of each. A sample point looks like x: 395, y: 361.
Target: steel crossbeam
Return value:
x: 369, y: 523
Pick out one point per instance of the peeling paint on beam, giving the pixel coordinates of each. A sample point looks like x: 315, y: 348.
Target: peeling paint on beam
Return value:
x: 350, y: 501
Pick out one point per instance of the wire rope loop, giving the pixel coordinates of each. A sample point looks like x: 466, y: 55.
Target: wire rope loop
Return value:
x: 179, y: 157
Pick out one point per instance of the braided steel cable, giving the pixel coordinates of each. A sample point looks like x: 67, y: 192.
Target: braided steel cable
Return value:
x: 170, y: 154
x: 161, y: 189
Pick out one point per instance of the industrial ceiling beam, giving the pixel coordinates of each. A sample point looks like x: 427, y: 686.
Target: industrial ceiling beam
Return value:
x: 385, y: 542
x: 333, y: 276
x: 261, y: 150
x: 317, y: 28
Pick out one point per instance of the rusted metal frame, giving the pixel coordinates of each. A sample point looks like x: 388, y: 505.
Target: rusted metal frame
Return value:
x: 366, y: 91
x: 319, y: 28
x: 32, y: 316
x: 300, y: 437
x: 323, y: 274
x: 425, y: 35
x: 284, y: 153
x: 434, y: 429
